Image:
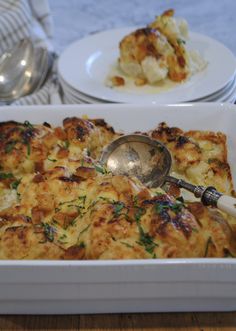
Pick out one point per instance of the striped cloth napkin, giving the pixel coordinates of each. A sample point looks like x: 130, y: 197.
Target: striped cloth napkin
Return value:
x: 29, y: 19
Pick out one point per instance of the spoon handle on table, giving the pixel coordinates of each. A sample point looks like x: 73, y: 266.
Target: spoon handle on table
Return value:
x: 208, y: 195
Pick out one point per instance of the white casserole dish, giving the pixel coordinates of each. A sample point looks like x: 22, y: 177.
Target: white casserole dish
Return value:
x: 72, y: 287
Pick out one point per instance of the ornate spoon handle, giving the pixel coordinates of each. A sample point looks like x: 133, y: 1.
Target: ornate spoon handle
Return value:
x: 208, y: 195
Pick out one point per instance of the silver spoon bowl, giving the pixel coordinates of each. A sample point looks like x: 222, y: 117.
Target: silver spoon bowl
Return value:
x: 150, y: 161
x: 23, y: 70
x: 15, y: 70
x: 39, y: 70
x: 139, y: 156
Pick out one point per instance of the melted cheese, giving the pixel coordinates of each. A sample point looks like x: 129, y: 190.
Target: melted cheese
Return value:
x: 58, y: 202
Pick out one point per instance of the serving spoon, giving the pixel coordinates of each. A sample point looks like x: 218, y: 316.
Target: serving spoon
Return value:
x: 150, y: 161
x: 23, y: 70
x: 14, y: 73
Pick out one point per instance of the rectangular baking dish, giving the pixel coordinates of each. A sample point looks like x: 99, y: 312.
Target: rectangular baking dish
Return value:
x: 168, y: 285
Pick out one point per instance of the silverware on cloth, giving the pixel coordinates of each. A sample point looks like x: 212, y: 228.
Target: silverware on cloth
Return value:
x: 23, y: 70
x: 29, y: 20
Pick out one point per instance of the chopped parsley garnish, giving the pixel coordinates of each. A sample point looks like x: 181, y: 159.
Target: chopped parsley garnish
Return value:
x: 28, y: 148
x: 49, y: 232
x: 82, y: 198
x: 28, y: 125
x: 209, y: 242
x: 15, y: 184
x: 118, y: 206
x: 177, y: 207
x: 6, y: 175
x: 100, y: 169
x: 10, y: 146
x: 89, y: 152
x: 144, y: 238
x: 67, y: 202
x: 163, y: 206
x: 27, y: 135
x: 160, y: 207
x: 62, y: 239
x: 135, y: 201
x: 106, y: 199
x: 181, y: 41
x: 52, y: 160
x: 139, y: 213
x: 146, y: 241
x: 74, y: 221
x: 84, y: 230
x: 54, y: 221
x: 78, y: 203
x: 66, y: 144
x: 211, y: 160
x: 126, y: 244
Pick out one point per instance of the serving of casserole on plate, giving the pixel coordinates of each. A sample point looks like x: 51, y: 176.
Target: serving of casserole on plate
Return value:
x: 58, y: 202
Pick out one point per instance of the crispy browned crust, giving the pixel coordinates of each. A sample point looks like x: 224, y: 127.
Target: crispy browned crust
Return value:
x: 66, y: 206
x: 200, y: 156
x: 139, y: 44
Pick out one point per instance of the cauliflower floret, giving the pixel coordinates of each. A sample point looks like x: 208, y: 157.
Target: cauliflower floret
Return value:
x: 7, y: 198
x: 162, y: 45
x: 183, y: 27
x: 154, y: 70
x: 171, y: 27
x: 132, y: 69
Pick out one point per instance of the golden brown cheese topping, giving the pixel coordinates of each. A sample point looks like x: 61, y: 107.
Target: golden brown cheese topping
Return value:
x: 199, y: 156
x: 58, y: 202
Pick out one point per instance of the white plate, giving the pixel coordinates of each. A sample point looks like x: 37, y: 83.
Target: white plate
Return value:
x: 76, y: 287
x: 85, y: 65
x: 224, y: 95
x: 76, y: 99
x: 219, y: 93
x: 212, y: 97
x: 229, y: 97
x: 71, y: 93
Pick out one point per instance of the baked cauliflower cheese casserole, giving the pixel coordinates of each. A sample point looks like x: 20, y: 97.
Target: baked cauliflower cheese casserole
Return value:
x: 58, y: 202
x: 158, y: 53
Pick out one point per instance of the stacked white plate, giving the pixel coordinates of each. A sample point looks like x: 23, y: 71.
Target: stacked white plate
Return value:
x: 85, y: 65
